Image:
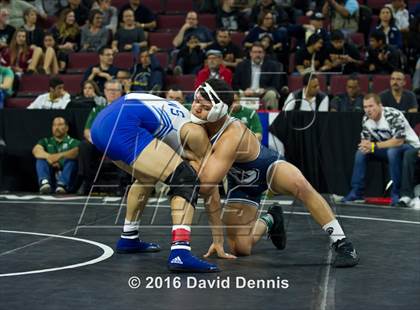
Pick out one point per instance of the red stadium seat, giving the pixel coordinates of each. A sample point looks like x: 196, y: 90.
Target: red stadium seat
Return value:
x: 178, y: 6
x: 20, y: 103
x: 302, y: 20
x: 374, y: 21
x: 170, y: 22
x: 185, y: 82
x: 124, y: 60
x: 381, y: 83
x: 237, y: 38
x: 358, y: 39
x: 292, y: 62
x: 72, y: 82
x: 338, y: 84
x: 377, y: 4
x: 154, y: 5
x: 33, y: 85
x: 163, y: 59
x: 208, y: 20
x: 79, y: 62
x: 162, y: 40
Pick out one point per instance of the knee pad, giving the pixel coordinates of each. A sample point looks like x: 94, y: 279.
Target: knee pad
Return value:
x: 184, y: 182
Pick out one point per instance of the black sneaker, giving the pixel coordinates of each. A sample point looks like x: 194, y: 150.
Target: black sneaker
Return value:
x: 346, y: 254
x: 277, y: 233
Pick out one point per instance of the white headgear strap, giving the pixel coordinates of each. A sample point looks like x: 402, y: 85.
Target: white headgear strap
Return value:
x: 218, y: 110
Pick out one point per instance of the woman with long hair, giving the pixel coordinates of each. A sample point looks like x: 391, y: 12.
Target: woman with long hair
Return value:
x: 67, y: 32
x: 94, y: 34
x: 20, y: 56
x: 387, y: 25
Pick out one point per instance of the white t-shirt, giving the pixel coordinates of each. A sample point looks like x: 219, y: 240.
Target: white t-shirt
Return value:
x: 392, y: 124
x: 44, y: 102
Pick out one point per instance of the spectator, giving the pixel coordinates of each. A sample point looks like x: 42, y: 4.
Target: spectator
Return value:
x: 191, y: 27
x: 280, y: 17
x: 303, y: 32
x: 56, y: 164
x: 67, y: 32
x: 382, y: 58
x: 19, y: 56
x: 190, y: 58
x: 344, y: 57
x: 6, y: 84
x: 230, y: 18
x: 16, y: 9
x: 144, y: 17
x: 34, y: 33
x: 89, y: 97
x: 413, y: 44
x: 54, y: 60
x: 89, y: 156
x: 175, y: 93
x: 400, y: 13
x: 351, y: 100
x: 124, y: 77
x: 147, y: 74
x: 386, y: 135
x: 344, y: 14
x: 313, y: 57
x: 232, y: 54
x: 309, y: 98
x: 214, y: 69
x: 416, y: 77
x: 129, y: 37
x: 109, y: 12
x: 266, y: 26
x: 258, y: 77
x: 104, y: 71
x: 397, y: 97
x: 408, y: 178
x: 247, y: 116
x: 81, y: 12
x: 94, y: 35
x: 6, y: 31
x: 387, y: 26
x: 48, y: 7
x: 56, y: 98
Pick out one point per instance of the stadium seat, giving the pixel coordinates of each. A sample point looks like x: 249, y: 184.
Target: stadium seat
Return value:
x: 33, y: 85
x: 162, y: 40
x: 338, y: 84
x: 237, y: 38
x: 124, y: 60
x: 374, y: 22
x: 185, y: 82
x: 154, y: 5
x: 302, y: 20
x: 381, y: 83
x: 208, y: 20
x: 292, y: 62
x: 20, y: 103
x: 79, y: 62
x: 295, y: 82
x: 163, y: 59
x: 358, y: 39
x: 170, y: 22
x: 377, y: 4
x: 178, y: 6
x: 72, y: 82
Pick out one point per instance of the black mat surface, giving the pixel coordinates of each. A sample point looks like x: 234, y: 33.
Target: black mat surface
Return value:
x: 388, y: 276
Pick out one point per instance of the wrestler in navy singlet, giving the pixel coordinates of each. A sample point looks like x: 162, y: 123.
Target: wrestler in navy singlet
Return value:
x: 124, y: 128
x: 248, y: 180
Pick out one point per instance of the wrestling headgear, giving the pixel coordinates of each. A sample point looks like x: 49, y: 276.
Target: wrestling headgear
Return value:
x: 218, y: 110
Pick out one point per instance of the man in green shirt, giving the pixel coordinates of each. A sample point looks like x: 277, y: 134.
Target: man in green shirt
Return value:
x: 6, y: 84
x: 90, y: 157
x: 247, y: 116
x: 56, y: 164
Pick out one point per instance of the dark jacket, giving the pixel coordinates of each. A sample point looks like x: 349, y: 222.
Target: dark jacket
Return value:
x: 242, y: 77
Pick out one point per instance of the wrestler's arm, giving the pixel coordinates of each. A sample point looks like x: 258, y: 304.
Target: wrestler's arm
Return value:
x: 198, y: 147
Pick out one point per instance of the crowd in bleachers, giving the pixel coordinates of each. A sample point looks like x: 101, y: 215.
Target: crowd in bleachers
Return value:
x: 160, y: 43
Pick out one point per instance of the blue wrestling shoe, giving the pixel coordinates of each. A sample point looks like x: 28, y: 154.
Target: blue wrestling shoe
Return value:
x: 353, y: 197
x: 184, y: 261
x: 136, y: 246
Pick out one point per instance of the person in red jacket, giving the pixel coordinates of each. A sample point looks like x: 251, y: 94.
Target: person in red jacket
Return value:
x: 214, y: 69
